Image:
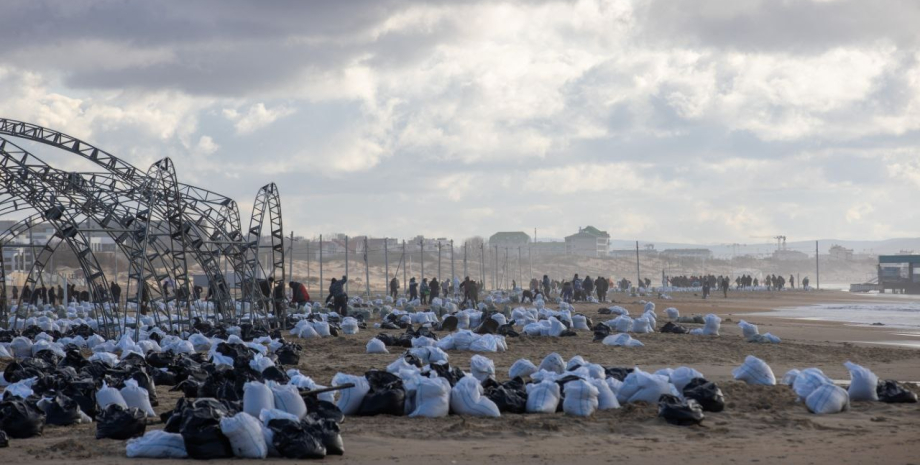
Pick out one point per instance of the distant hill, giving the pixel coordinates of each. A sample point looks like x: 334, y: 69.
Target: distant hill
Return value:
x: 883, y: 247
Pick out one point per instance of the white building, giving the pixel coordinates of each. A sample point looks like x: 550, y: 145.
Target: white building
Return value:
x: 588, y: 242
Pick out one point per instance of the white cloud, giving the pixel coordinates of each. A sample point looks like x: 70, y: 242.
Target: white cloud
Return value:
x: 257, y: 117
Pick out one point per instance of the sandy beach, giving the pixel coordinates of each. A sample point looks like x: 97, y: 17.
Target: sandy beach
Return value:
x: 759, y: 423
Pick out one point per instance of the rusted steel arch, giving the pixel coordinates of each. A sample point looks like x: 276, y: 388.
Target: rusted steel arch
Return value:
x: 267, y: 203
x: 195, y: 197
x: 19, y: 179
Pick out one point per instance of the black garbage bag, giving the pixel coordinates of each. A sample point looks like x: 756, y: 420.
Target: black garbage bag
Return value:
x: 117, y: 422
x: 488, y: 326
x: 618, y: 373
x: 678, y: 412
x: 296, y: 440
x: 289, y: 354
x: 73, y: 358
x: 889, y: 391
x: 449, y: 323
x: 507, y: 330
x: 604, y: 311
x: 706, y: 393
x: 601, y: 331
x: 452, y: 375
x: 83, y: 392
x: 328, y: 432
x: 386, y: 397
x: 48, y: 356
x: 189, y: 388
x: 672, y: 328
x: 388, y: 325
x: 4, y: 439
x: 25, y: 369
x: 21, y: 419
x: 200, y: 430
x: 321, y: 409
x: 238, y: 352
x: 60, y: 410
x: 163, y: 377
x: 510, y: 397
x: 276, y: 374
x: 161, y: 359
x: 568, y: 333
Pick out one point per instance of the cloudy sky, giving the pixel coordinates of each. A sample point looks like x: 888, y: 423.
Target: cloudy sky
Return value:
x: 706, y: 121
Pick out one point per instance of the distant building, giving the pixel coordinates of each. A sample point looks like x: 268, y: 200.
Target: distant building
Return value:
x: 545, y: 249
x: 588, y: 242
x: 789, y: 255
x: 838, y: 252
x: 510, y: 240
x: 102, y: 244
x: 702, y: 254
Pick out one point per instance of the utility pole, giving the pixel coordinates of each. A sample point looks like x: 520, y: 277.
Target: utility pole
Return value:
x: 346, y: 263
x: 482, y: 264
x: 422, y: 245
x: 520, y: 275
x: 321, y: 282
x: 638, y: 278
x: 291, y: 259
x: 405, y: 289
x: 452, y: 273
x: 439, y: 260
x: 386, y: 263
x: 308, y: 270
x: 466, y: 247
x: 367, y: 272
x: 817, y: 268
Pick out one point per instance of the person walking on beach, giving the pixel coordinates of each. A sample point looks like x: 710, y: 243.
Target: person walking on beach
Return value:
x: 791, y: 281
x: 568, y: 291
x: 413, y: 289
x: 424, y: 290
x: 725, y: 284
x: 705, y: 288
x: 339, y: 297
x: 435, y: 287
x: 546, y: 285
x: 394, y: 287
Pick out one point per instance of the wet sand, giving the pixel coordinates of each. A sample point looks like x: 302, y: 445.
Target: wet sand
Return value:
x: 759, y: 423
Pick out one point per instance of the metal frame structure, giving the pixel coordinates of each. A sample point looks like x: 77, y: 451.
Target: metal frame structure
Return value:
x: 162, y: 227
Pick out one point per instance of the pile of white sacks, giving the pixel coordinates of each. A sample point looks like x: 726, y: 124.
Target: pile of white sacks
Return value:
x: 812, y: 386
x: 432, y: 396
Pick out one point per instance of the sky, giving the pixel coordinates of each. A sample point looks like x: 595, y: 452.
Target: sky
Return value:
x: 711, y: 121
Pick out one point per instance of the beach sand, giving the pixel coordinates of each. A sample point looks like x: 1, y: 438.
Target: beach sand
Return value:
x: 759, y: 423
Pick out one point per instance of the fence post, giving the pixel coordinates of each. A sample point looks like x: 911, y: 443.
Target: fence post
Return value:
x: 405, y: 265
x: 321, y: 268
x: 346, y: 263
x: 367, y: 272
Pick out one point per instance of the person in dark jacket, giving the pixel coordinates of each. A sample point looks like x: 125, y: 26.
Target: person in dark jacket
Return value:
x: 546, y: 286
x: 339, y: 297
x: 600, y: 285
x: 413, y: 289
x: 52, y: 296
x: 435, y: 287
x: 196, y: 292
x: 394, y: 288
x: 330, y: 296
x: 425, y: 290
x: 115, y: 290
x: 588, y: 286
x: 568, y: 291
x: 15, y: 294
x: 26, y: 295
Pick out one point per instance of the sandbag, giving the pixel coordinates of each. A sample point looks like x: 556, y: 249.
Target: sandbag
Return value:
x: 863, y: 383
x: 754, y: 371
x: 678, y: 412
x: 287, y: 398
x: 640, y: 386
x: 543, y: 397
x: 623, y: 324
x: 828, y: 399
x: 137, y: 397
x: 4, y: 439
x: 245, y: 434
x: 789, y: 377
x: 257, y: 396
x: 808, y: 380
x: 580, y: 398
x: 432, y: 397
x: 20, y: 420
x: 109, y: 395
x: 554, y: 363
x: 157, y: 444
x: 708, y: 394
x: 748, y: 330
x: 466, y: 399
x: 606, y: 398
x: 117, y: 422
x: 376, y: 346
x: 349, y: 400
x: 641, y: 325
x: 622, y: 340
x: 672, y: 313
x: 682, y: 376
x: 580, y: 323
x: 481, y: 367
x: 712, y: 325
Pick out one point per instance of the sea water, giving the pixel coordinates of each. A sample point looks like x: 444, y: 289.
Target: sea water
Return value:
x: 893, y: 315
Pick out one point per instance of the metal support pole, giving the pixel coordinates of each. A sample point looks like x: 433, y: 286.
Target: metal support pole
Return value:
x: 817, y: 269
x: 405, y: 289
x: 452, y: 273
x: 346, y: 263
x: 638, y: 277
x: 386, y: 264
x: 308, y: 271
x: 482, y: 264
x: 439, y: 260
x: 291, y: 259
x: 422, y: 243
x: 520, y: 275
x: 367, y: 272
x: 321, y: 282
